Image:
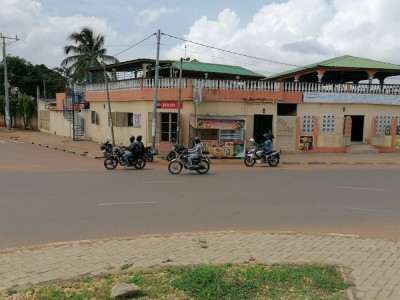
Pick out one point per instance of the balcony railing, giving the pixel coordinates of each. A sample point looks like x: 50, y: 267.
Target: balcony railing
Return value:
x: 262, y: 85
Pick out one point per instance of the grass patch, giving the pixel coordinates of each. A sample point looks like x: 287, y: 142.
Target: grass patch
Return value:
x: 208, y: 282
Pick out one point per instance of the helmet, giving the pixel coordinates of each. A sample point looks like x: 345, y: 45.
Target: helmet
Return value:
x: 252, y: 140
x: 132, y: 139
x: 196, y: 140
x: 173, y: 140
x: 139, y: 138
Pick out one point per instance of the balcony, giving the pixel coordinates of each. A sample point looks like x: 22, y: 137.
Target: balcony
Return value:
x: 215, y: 89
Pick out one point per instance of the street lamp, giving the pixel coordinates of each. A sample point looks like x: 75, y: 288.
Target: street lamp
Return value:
x: 178, y: 129
x: 109, y: 105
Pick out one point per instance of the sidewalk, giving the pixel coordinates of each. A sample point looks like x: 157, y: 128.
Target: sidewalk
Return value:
x: 372, y: 264
x: 91, y: 149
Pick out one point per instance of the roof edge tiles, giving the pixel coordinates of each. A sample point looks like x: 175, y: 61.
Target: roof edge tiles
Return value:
x: 345, y: 61
x: 216, y: 68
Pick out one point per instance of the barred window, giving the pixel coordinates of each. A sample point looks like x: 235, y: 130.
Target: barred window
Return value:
x: 328, y: 124
x: 382, y: 122
x: 308, y: 124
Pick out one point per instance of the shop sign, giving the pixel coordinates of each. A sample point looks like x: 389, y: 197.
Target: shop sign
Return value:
x: 137, y: 120
x: 168, y: 104
x: 306, y: 142
x: 226, y: 124
x: 197, y: 95
x: 218, y: 148
x: 344, y: 98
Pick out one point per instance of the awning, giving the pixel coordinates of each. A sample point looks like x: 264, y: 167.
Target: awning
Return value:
x: 217, y: 122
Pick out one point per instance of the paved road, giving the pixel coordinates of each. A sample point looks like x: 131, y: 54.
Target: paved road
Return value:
x: 52, y: 196
x: 47, y: 195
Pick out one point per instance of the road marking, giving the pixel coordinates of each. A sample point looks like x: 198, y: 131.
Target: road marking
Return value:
x: 125, y: 203
x: 18, y: 142
x: 343, y: 235
x: 361, y: 188
x: 163, y: 182
x: 3, y: 142
x: 367, y: 209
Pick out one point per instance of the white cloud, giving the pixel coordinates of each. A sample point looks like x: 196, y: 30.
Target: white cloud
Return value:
x: 153, y: 15
x: 299, y: 32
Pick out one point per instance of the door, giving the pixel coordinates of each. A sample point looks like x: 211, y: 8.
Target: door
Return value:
x: 262, y: 124
x: 357, y: 128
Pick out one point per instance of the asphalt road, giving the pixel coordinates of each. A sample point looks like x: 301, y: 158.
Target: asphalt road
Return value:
x: 53, y: 196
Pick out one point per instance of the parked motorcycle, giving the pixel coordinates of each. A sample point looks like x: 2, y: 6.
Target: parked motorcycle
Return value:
x: 136, y: 161
x: 148, y: 154
x: 257, y: 154
x: 201, y: 165
x: 175, y: 152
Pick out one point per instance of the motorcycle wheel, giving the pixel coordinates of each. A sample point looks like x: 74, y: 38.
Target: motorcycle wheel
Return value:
x: 150, y: 157
x: 171, y: 156
x: 205, y: 166
x: 175, y: 167
x: 140, y: 163
x: 249, y: 162
x: 273, y: 162
x: 110, y: 163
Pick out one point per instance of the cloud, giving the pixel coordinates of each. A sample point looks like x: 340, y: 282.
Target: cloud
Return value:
x: 298, y: 32
x: 153, y: 15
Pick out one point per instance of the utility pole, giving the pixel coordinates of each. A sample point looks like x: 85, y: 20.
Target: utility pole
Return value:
x: 178, y: 129
x: 6, y: 85
x: 153, y: 127
x: 109, y: 104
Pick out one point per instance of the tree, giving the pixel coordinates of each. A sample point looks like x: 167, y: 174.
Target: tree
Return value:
x: 88, y: 51
x: 27, y: 77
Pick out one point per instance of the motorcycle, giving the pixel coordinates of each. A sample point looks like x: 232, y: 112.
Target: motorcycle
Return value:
x: 257, y: 154
x: 175, y: 152
x: 117, y: 157
x: 106, y: 148
x: 148, y: 154
x: 201, y: 165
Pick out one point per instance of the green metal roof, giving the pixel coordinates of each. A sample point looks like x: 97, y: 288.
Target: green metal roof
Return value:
x: 197, y: 66
x: 346, y: 61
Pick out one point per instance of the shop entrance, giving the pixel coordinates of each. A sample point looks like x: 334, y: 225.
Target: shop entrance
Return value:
x: 357, y: 128
x: 262, y: 124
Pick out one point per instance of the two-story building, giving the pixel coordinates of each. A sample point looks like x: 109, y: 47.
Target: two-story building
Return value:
x: 322, y: 107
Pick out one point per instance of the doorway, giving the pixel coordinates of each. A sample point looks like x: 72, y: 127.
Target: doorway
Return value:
x: 262, y: 124
x: 357, y: 128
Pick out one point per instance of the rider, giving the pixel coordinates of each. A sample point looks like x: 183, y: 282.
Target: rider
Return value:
x: 267, y: 144
x: 195, y: 152
x: 131, y: 148
x: 139, y: 146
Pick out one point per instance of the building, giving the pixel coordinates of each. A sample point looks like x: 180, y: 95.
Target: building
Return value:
x: 322, y: 107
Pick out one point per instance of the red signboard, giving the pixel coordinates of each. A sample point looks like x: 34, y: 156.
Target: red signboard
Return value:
x: 168, y: 104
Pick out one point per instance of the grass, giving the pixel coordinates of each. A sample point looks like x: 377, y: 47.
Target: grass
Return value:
x: 208, y: 282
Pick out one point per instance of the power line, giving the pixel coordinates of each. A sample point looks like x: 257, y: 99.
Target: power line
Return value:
x: 134, y: 45
x: 232, y: 52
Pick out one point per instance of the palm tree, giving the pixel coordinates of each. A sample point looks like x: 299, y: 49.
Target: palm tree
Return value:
x: 88, y: 51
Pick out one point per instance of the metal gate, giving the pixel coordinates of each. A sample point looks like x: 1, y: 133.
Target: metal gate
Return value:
x: 285, y: 132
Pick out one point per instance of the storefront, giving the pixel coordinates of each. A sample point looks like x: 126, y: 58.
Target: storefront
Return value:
x: 221, y: 136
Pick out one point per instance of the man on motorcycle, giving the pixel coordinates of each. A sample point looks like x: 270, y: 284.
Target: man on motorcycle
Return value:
x: 139, y: 146
x: 130, y: 149
x: 195, y: 152
x: 267, y: 144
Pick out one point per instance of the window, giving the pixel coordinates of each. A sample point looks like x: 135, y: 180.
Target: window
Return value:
x: 231, y: 135
x: 308, y: 124
x: 382, y: 122
x: 287, y: 109
x: 328, y: 124
x: 93, y: 117
x: 168, y: 126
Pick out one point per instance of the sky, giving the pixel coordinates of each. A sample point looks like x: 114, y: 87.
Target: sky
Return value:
x: 272, y: 35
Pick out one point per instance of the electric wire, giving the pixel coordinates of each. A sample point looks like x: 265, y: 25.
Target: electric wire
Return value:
x: 231, y: 52
x: 134, y: 45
